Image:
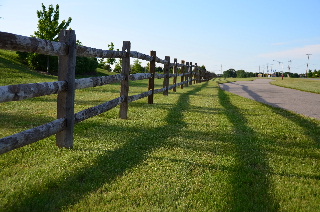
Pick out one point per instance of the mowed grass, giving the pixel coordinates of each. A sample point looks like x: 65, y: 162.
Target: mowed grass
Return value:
x: 199, y: 149
x: 303, y: 84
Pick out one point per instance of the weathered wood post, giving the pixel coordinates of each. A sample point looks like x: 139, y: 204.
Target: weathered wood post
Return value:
x: 187, y: 76
x: 202, y: 75
x: 191, y: 74
x: 123, y: 113
x: 182, y: 71
x: 166, y: 71
x: 206, y: 76
x: 152, y: 71
x: 175, y: 71
x: 65, y: 101
x: 196, y: 73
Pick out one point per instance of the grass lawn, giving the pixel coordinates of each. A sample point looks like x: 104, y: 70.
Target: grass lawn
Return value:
x: 199, y: 149
x: 303, y: 84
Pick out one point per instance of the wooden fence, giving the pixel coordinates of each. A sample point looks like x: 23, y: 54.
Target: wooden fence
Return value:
x: 67, y: 50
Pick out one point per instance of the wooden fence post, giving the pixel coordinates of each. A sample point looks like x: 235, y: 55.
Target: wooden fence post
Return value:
x: 65, y: 101
x: 166, y: 71
x: 123, y: 113
x: 187, y: 71
x: 196, y: 73
x: 190, y: 83
x: 201, y: 75
x: 175, y: 71
x: 182, y: 71
x: 152, y: 71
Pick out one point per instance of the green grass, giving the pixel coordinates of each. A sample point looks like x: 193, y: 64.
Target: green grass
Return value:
x: 226, y: 80
x: 303, y: 84
x: 13, y: 72
x: 199, y: 149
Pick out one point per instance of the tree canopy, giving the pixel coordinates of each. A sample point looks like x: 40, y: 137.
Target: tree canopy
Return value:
x: 230, y: 73
x: 110, y: 61
x: 49, y: 29
x: 137, y: 67
x: 241, y: 74
x: 48, y: 23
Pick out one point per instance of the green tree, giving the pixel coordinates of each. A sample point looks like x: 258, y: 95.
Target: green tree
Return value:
x: 315, y: 73
x: 48, y: 23
x: 137, y: 67
x: 118, y: 66
x: 147, y: 67
x: 295, y: 75
x: 318, y: 73
x: 159, y: 69
x: 86, y: 65
x: 48, y: 29
x: 49, y: 26
x: 310, y: 74
x: 241, y: 74
x: 230, y: 73
x: 110, y: 61
x: 251, y: 74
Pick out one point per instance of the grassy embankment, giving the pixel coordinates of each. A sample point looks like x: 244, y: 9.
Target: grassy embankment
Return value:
x: 199, y: 149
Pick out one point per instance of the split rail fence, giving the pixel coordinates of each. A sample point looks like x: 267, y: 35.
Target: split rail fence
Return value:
x: 67, y: 50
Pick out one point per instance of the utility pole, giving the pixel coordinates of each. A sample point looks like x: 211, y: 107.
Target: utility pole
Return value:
x: 289, y: 65
x: 271, y: 70
x: 279, y: 66
x: 307, y: 65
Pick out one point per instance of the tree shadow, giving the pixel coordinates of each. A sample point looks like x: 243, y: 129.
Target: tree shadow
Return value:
x: 110, y: 165
x: 7, y: 63
x: 249, y: 178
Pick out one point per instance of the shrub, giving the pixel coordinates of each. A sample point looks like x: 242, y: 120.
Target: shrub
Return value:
x: 39, y: 62
x: 86, y: 65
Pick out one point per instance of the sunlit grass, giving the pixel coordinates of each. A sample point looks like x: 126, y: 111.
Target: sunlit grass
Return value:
x: 303, y: 84
x: 199, y: 149
x: 226, y: 80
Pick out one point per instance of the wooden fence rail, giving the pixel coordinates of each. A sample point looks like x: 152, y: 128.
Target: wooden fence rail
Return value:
x: 67, y: 50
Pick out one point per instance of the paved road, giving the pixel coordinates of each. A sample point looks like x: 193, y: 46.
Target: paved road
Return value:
x: 261, y: 90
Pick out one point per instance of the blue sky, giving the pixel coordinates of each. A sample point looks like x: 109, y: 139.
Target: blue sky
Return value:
x: 232, y: 33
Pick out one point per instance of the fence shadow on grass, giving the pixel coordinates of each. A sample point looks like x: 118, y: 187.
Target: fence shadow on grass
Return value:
x: 63, y: 193
x: 249, y: 177
x: 14, y: 122
x: 310, y: 127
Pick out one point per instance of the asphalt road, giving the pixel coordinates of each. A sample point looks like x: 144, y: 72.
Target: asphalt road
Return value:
x: 307, y: 104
